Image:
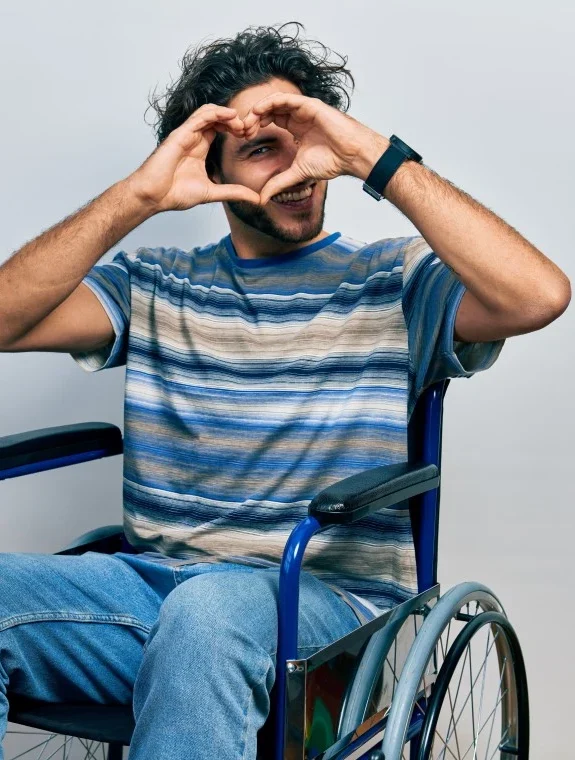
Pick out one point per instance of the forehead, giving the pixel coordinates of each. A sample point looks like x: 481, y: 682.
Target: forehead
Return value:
x: 245, y: 99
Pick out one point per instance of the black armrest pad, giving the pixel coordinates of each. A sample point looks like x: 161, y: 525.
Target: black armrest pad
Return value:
x: 50, y: 443
x: 352, y: 498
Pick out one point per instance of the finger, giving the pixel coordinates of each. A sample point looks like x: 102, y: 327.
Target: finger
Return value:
x: 208, y: 117
x: 280, y: 119
x: 207, y: 113
x: 220, y: 118
x: 280, y: 103
x: 251, y: 132
x: 277, y: 118
x: 278, y: 107
x: 233, y: 193
x: 230, y: 126
x: 280, y: 182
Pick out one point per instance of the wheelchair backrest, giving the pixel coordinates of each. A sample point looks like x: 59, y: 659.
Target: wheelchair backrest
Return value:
x: 424, y: 445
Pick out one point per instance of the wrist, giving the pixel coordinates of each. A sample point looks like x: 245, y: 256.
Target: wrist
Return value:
x: 135, y: 201
x: 370, y: 153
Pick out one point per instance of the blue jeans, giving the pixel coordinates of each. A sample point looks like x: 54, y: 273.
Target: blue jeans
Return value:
x: 193, y: 647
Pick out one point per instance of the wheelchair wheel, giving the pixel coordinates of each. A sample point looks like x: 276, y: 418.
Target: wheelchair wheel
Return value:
x: 462, y: 692
x: 30, y: 743
x: 489, y: 730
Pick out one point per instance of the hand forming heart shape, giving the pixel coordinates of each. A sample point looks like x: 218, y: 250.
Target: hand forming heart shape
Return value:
x: 331, y: 143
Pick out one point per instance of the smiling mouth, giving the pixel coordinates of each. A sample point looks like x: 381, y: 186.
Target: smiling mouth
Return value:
x: 302, y: 203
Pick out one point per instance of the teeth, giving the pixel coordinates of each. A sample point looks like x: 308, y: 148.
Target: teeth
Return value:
x: 282, y: 197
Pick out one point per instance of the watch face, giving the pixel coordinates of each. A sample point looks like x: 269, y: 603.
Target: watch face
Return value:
x: 410, y: 153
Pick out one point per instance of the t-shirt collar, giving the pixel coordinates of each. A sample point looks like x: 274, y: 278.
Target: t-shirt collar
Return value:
x: 280, y: 258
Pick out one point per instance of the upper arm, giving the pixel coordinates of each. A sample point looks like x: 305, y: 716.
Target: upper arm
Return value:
x: 79, y: 323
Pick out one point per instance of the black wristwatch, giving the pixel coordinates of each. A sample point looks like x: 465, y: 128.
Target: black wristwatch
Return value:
x: 388, y: 164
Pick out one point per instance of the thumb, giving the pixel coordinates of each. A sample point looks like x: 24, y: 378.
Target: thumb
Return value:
x: 220, y: 192
x: 280, y: 182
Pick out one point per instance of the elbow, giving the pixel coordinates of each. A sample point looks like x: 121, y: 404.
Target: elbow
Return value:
x: 562, y: 298
x: 552, y: 306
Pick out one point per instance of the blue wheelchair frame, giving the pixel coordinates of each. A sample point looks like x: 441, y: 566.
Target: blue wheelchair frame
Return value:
x: 346, y: 501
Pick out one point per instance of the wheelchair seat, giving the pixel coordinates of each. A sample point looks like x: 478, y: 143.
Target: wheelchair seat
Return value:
x: 110, y: 724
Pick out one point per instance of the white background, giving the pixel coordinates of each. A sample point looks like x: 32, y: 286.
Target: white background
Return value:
x: 484, y: 91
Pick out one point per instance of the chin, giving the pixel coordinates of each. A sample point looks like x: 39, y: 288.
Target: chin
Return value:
x: 272, y: 221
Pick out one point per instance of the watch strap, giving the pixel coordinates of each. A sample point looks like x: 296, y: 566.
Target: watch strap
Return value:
x: 392, y: 158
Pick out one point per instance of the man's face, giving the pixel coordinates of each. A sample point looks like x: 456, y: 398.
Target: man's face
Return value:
x: 254, y: 166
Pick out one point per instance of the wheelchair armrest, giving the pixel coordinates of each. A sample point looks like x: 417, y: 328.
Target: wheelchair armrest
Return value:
x: 107, y: 539
x: 351, y: 499
x: 48, y: 448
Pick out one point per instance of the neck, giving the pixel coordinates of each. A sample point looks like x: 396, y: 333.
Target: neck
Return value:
x: 250, y: 243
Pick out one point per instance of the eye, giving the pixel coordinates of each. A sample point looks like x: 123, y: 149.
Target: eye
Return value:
x: 255, y: 151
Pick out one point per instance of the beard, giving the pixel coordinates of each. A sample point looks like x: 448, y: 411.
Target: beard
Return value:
x: 300, y: 229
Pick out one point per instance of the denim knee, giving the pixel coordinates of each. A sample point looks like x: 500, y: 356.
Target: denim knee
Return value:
x: 222, y: 611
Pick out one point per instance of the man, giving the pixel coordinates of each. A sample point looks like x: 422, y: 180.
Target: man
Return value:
x: 260, y: 369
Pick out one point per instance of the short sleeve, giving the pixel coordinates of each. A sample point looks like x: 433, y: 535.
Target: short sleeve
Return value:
x: 110, y: 283
x: 431, y: 296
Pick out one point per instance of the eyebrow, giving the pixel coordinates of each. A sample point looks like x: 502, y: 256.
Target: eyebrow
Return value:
x: 247, y: 146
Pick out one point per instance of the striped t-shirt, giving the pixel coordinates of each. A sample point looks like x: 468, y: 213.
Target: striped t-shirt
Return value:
x: 253, y: 384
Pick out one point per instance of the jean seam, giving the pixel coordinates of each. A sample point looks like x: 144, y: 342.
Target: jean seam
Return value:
x: 247, y: 708
x: 71, y: 617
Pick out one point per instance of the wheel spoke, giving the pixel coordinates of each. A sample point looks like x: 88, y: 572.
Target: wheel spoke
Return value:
x: 471, y: 694
x: 455, y: 702
x: 472, y: 685
x: 497, y: 704
x: 88, y: 749
x: 44, y: 750
x: 503, y: 738
x: 395, y: 678
x: 66, y: 740
x: 446, y: 742
x: 484, y: 725
x: 482, y: 690
x: 45, y: 743
x: 446, y: 747
x: 67, y: 749
x: 452, y: 704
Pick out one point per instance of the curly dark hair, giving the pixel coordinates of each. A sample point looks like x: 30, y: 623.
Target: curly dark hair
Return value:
x: 216, y: 72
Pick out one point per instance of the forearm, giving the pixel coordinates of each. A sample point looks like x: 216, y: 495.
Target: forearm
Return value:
x: 495, y: 262
x: 44, y: 272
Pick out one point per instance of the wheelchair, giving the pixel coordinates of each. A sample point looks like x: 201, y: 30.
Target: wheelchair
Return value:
x: 437, y: 676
